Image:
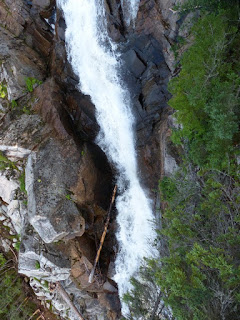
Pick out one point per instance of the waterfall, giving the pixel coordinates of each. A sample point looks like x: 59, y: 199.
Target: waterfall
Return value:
x: 95, y: 60
x: 130, y: 9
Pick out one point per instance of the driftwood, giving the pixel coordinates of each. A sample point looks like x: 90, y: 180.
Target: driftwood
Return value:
x: 34, y: 314
x: 103, y: 236
x: 59, y: 288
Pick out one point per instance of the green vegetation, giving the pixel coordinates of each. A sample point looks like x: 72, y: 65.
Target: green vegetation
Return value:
x: 37, y: 265
x: 68, y: 197
x: 13, y: 302
x: 13, y: 104
x: 5, y: 162
x: 198, y: 268
x: 3, y: 91
x: 26, y: 110
x: 206, y: 93
x: 206, y: 5
x: 31, y: 82
x: 200, y: 271
x: 22, y: 182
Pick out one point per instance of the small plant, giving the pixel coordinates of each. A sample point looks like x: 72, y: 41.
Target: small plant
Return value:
x: 68, y: 197
x: 17, y: 245
x: 3, y: 91
x: 26, y: 110
x: 46, y: 284
x: 13, y: 104
x: 37, y: 265
x: 31, y: 82
x: 6, y: 163
x: 22, y: 182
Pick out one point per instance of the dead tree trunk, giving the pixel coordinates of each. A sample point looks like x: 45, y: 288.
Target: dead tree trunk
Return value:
x: 67, y: 299
x: 103, y: 236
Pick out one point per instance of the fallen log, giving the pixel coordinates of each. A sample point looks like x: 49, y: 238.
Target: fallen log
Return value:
x: 59, y: 288
x: 103, y: 236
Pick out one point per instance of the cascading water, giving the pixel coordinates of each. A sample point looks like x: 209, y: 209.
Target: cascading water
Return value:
x: 130, y: 9
x: 94, y: 60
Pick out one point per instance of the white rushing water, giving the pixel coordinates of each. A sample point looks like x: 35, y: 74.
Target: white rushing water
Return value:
x: 94, y: 60
x: 130, y: 9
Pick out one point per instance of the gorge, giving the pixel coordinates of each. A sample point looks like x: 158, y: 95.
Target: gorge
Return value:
x: 74, y: 123
x: 94, y: 59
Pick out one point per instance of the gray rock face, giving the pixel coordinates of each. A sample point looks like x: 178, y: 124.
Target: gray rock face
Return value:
x: 41, y: 3
x: 135, y: 65
x: 18, y: 62
x: 13, y: 208
x: 39, y: 260
x: 49, y: 177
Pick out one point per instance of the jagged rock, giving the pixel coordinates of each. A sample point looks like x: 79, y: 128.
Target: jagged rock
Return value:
x: 108, y: 287
x: 18, y: 62
x: 20, y: 135
x: 134, y: 63
x: 41, y: 3
x: 7, y: 188
x: 170, y: 165
x: 36, y: 259
x: 51, y: 107
x: 13, y: 208
x: 49, y: 176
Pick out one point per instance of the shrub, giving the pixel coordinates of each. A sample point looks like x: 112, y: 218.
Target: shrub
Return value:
x: 31, y: 83
x: 3, y: 91
x: 13, y: 302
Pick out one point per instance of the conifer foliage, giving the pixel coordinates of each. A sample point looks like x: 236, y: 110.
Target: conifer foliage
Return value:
x: 198, y: 268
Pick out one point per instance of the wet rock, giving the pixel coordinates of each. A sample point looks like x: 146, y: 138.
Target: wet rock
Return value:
x: 110, y: 301
x: 135, y: 65
x: 41, y: 3
x: 83, y: 113
x: 49, y: 104
x: 108, y: 287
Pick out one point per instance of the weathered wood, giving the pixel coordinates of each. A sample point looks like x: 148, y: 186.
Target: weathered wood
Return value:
x: 36, y: 312
x: 103, y: 236
x: 67, y: 299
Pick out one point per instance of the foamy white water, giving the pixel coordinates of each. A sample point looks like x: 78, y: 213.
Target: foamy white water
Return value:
x: 130, y: 9
x: 94, y: 60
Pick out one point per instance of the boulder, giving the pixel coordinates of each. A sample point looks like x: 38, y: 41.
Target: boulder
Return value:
x: 36, y: 259
x: 49, y: 176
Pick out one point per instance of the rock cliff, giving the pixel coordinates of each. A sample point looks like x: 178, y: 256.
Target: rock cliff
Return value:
x: 47, y: 131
